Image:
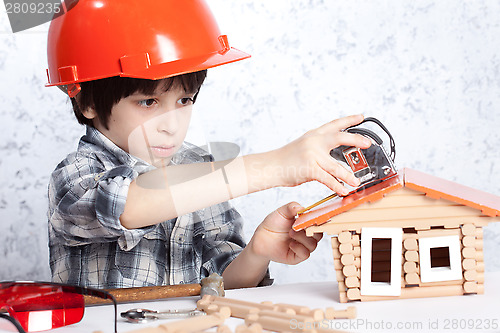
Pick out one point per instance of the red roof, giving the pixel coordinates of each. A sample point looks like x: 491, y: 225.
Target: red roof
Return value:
x: 433, y: 187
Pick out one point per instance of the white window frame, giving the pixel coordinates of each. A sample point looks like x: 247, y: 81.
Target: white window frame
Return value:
x: 435, y: 274
x: 369, y: 288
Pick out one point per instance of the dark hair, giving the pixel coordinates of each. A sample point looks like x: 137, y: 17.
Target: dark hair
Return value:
x: 101, y: 95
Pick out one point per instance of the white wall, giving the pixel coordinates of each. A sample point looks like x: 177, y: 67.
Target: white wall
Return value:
x: 430, y: 70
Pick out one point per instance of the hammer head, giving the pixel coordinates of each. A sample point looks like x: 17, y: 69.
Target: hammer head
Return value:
x: 212, y: 285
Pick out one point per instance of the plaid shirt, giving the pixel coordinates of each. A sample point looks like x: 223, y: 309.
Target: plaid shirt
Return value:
x: 89, y: 246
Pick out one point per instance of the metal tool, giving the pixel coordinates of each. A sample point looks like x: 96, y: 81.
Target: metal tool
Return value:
x: 371, y: 166
x: 144, y: 315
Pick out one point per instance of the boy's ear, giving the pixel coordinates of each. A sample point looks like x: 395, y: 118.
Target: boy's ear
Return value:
x: 89, y: 113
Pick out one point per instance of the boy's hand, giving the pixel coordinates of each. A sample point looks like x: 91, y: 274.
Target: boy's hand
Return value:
x: 308, y: 157
x: 275, y: 239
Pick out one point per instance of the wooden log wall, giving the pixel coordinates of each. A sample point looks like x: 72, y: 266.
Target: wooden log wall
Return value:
x: 347, y: 262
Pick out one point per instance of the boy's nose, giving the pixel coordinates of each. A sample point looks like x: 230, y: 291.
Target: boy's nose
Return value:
x: 168, y: 122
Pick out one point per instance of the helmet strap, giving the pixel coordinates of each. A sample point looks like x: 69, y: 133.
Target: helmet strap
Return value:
x: 73, y: 89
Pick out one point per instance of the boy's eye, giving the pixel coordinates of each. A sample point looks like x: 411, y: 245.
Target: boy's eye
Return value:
x: 186, y: 101
x: 147, y: 102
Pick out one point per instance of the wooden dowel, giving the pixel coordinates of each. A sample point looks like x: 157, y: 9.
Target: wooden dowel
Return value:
x: 338, y: 265
x: 349, y: 313
x: 198, y: 323
x: 316, y: 315
x: 230, y: 301
x: 299, y: 309
x: 469, y: 241
x: 357, y: 262
x: 470, y: 275
x: 438, y: 233
x: 352, y: 282
x: 468, y: 264
x: 342, y: 297
x: 472, y: 253
x: 480, y: 266
x: 239, y: 308
x: 347, y: 259
x: 284, y: 325
x: 412, y: 278
x: 442, y: 283
x: 468, y: 229
x: 410, y: 267
x: 433, y: 291
x: 345, y: 237
x: 411, y: 255
x: 345, y: 248
x: 355, y: 240
x: 350, y: 270
x: 469, y: 252
x: 335, y: 242
x: 470, y: 287
x: 356, y: 251
x: 339, y: 275
x: 353, y: 294
x: 237, y: 311
x: 410, y: 244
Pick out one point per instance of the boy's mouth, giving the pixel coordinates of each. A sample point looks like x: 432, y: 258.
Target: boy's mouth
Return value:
x: 163, y: 151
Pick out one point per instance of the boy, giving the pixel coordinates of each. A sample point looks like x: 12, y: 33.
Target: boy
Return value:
x: 137, y: 206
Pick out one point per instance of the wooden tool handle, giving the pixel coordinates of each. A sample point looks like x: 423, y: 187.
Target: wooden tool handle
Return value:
x: 139, y: 294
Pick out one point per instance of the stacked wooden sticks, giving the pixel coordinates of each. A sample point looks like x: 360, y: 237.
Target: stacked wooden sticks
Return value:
x: 257, y: 316
x: 275, y: 317
x: 347, y: 263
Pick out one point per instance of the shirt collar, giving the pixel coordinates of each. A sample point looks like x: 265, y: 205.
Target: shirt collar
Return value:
x: 95, y: 137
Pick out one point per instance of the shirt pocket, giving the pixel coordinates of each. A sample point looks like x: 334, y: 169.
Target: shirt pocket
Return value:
x: 145, y: 264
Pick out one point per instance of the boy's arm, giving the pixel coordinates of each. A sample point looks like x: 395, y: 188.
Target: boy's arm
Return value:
x: 172, y: 191
x: 274, y: 240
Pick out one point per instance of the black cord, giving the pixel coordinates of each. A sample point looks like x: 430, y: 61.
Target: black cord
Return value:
x: 379, y: 123
x: 14, y: 322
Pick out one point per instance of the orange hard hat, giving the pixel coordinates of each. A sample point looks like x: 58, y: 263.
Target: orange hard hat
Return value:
x: 147, y: 39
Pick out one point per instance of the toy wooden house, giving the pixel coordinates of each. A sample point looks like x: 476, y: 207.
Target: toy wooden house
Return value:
x: 413, y: 235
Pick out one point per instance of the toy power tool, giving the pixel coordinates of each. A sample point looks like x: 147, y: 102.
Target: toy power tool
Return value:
x: 372, y: 165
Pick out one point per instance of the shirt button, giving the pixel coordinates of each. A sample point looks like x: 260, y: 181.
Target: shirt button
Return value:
x: 99, y: 176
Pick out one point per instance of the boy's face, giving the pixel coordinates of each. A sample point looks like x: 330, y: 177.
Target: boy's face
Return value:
x: 152, y: 128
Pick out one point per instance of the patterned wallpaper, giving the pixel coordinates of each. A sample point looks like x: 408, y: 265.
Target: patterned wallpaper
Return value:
x: 430, y: 70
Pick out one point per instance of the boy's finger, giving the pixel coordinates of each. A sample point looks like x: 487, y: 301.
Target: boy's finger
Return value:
x: 331, y: 182
x: 310, y: 243
x: 289, y: 211
x: 342, y: 123
x: 339, y: 172
x: 350, y: 139
x: 299, y: 252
